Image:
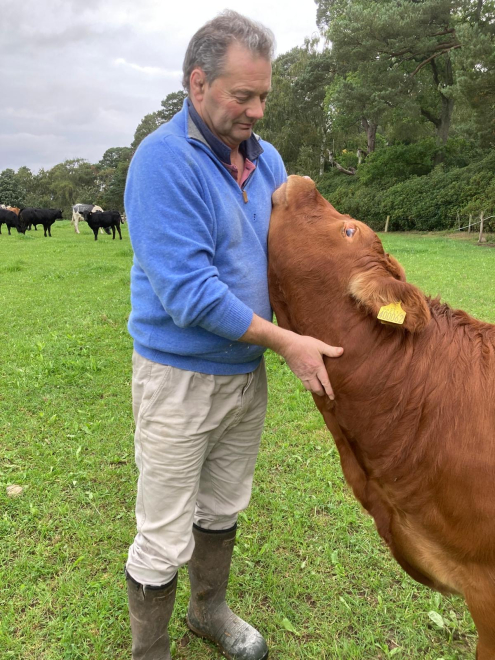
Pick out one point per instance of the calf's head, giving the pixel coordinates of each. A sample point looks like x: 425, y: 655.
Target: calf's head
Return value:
x: 316, y: 251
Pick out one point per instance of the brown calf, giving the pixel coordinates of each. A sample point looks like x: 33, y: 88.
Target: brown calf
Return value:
x: 414, y: 411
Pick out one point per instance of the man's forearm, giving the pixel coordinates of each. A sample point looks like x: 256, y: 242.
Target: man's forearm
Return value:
x: 269, y: 335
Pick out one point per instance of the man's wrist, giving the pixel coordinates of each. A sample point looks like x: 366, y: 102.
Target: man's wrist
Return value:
x: 267, y: 334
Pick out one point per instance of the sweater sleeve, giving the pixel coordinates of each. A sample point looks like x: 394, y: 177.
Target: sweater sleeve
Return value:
x: 172, y: 232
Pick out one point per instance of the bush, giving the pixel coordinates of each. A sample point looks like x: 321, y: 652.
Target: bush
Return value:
x: 398, y: 162
x: 424, y: 203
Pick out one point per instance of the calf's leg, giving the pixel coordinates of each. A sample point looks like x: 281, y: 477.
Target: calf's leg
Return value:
x: 481, y: 604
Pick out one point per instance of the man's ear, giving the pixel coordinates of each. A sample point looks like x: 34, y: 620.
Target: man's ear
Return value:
x: 197, y: 81
x: 374, y: 290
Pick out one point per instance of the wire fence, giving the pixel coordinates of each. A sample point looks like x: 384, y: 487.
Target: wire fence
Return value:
x: 472, y: 224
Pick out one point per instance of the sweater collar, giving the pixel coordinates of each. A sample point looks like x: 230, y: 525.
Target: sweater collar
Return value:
x: 250, y: 148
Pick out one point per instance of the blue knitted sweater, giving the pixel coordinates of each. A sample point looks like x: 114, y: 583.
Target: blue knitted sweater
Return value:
x: 200, y: 250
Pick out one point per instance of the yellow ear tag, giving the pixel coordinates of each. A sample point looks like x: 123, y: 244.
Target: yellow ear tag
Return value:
x: 392, y: 314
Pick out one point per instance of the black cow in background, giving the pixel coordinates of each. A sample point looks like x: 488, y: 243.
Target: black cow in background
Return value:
x: 80, y: 213
x: 45, y: 217
x: 11, y: 219
x: 105, y: 220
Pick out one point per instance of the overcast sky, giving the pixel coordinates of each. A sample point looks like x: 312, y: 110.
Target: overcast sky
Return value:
x: 77, y: 76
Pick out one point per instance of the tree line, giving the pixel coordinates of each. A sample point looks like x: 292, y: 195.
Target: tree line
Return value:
x: 391, y: 109
x: 77, y: 181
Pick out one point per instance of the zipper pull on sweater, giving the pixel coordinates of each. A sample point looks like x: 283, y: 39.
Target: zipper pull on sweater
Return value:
x: 244, y: 196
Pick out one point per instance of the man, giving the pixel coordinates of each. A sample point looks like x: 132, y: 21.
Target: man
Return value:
x: 198, y: 203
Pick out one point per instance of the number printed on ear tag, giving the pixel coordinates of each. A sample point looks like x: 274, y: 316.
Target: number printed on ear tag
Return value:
x: 392, y: 314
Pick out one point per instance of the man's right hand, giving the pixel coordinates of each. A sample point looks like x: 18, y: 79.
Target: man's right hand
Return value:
x: 303, y: 354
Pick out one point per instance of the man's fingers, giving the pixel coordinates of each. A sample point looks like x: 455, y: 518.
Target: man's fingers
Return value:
x: 323, y: 378
x: 314, y: 386
x: 307, y: 363
x: 320, y: 384
x: 332, y: 351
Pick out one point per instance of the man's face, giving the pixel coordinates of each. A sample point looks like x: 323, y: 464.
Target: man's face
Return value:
x: 233, y: 102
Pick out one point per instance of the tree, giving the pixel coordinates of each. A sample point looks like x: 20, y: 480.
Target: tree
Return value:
x: 359, y: 102
x: 11, y: 191
x: 73, y: 181
x: 148, y: 124
x: 113, y: 195
x: 24, y: 178
x: 295, y: 119
x: 475, y: 66
x: 403, y: 46
x: 112, y: 172
x: 171, y: 104
x: 115, y: 155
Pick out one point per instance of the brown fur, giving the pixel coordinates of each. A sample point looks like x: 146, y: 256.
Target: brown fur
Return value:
x: 414, y: 413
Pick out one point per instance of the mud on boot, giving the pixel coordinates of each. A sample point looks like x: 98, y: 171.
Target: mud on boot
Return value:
x: 208, y: 614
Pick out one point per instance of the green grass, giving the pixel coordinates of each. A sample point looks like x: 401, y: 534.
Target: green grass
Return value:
x: 309, y: 569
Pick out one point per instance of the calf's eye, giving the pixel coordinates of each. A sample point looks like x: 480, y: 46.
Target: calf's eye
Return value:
x: 350, y: 232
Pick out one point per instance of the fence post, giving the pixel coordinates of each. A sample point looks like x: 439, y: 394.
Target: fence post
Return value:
x: 458, y: 220
x: 386, y: 223
x: 480, y: 239
x: 470, y: 222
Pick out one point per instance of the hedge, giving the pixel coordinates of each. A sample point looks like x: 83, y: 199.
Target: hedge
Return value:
x: 424, y: 203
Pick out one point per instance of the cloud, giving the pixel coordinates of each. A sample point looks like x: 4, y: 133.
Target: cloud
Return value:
x: 78, y: 77
x: 148, y: 70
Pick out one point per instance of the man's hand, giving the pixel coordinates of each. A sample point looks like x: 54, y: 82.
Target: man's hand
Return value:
x: 303, y: 354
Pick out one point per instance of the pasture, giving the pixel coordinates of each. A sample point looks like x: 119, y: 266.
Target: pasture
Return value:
x: 310, y: 571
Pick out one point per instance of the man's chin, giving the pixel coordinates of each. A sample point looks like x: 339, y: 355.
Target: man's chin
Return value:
x: 244, y: 131
x: 237, y: 135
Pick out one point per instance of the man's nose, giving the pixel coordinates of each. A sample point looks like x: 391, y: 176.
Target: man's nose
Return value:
x: 256, y: 109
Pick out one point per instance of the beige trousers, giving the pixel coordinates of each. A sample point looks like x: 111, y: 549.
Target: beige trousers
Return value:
x: 196, y: 442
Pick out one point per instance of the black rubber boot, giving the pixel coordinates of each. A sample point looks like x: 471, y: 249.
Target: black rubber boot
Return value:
x: 150, y: 609
x: 209, y: 615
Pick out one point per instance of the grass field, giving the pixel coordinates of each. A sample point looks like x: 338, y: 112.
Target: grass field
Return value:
x: 310, y: 571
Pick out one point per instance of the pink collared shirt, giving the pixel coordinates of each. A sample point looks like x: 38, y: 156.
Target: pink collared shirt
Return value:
x: 248, y: 168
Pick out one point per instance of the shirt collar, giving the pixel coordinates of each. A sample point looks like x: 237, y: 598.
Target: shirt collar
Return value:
x: 250, y: 148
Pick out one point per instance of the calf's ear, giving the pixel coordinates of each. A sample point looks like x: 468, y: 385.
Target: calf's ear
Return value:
x: 374, y: 290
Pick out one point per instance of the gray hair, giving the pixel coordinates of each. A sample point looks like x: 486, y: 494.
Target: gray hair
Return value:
x: 208, y: 47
